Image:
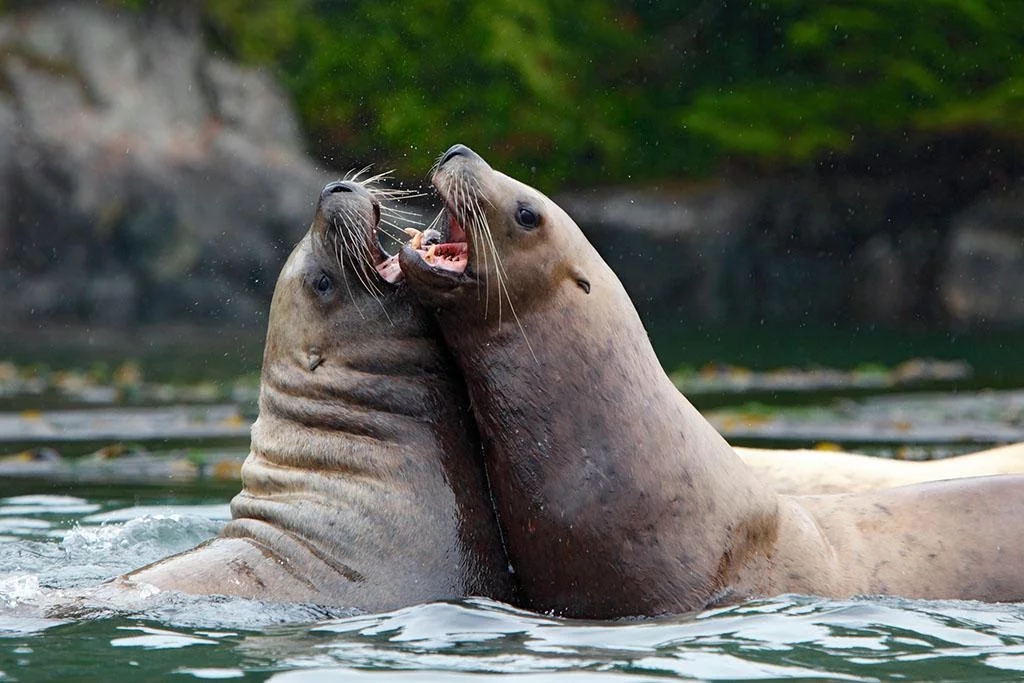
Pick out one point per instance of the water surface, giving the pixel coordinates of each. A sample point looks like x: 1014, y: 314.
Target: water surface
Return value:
x: 63, y: 541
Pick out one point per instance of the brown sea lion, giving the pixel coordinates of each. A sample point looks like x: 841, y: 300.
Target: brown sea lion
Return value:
x: 364, y: 486
x: 812, y: 472
x: 616, y: 496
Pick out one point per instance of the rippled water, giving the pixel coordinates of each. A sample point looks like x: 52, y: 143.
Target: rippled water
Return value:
x: 64, y: 541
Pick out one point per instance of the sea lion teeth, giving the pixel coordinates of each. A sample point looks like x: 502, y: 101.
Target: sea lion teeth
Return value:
x: 416, y: 238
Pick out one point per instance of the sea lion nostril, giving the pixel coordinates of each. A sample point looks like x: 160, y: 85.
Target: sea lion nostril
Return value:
x: 336, y: 186
x: 457, y: 150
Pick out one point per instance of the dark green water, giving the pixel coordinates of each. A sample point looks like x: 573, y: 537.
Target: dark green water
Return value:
x: 193, y: 353
x: 995, y: 355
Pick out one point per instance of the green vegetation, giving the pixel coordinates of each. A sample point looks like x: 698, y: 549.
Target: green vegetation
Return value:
x: 860, y: 67
x: 400, y: 82
x: 570, y: 92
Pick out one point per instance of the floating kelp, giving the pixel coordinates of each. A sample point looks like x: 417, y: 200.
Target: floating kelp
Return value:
x: 125, y: 384
x: 723, y: 378
x: 127, y: 463
x: 984, y: 417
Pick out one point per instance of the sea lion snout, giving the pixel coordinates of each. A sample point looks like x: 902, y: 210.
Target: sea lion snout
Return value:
x: 458, y: 150
x: 343, y: 191
x: 338, y: 200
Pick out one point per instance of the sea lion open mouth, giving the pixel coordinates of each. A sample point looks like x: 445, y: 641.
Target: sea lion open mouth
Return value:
x: 446, y: 254
x: 445, y: 260
x: 358, y: 234
x: 452, y: 255
x: 439, y: 259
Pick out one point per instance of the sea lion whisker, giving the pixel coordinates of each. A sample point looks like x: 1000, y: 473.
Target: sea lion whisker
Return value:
x: 416, y: 215
x: 462, y: 207
x: 367, y: 273
x: 387, y: 226
x: 488, y: 200
x: 436, y: 222
x: 357, y: 174
x: 397, y: 193
x: 376, y: 178
x: 472, y: 234
x: 474, y: 221
x: 339, y: 252
x: 360, y: 248
x: 481, y: 236
x: 369, y: 285
x: 346, y: 243
x: 499, y: 270
x: 500, y: 275
x: 383, y: 194
x: 395, y: 219
x: 484, y: 230
x: 436, y: 165
x: 350, y: 245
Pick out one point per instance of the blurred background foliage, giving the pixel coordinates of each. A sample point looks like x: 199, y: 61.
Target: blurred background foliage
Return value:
x: 572, y: 92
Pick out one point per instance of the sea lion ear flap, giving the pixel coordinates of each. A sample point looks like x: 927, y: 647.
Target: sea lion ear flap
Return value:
x: 582, y: 281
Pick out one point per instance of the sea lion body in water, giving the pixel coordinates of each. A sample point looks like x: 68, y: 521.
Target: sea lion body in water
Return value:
x: 812, y: 472
x: 616, y: 497
x: 364, y: 486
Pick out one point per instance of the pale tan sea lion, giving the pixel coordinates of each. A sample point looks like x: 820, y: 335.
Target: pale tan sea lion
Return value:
x: 616, y: 496
x: 364, y: 486
x: 813, y: 472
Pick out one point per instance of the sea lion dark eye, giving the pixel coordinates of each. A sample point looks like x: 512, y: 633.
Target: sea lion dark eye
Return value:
x: 323, y: 284
x: 527, y: 217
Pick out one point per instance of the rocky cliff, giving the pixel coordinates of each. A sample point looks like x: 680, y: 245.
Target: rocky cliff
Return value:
x: 931, y: 235
x: 141, y: 177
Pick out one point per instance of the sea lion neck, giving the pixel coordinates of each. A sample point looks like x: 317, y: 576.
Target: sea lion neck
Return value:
x: 590, y: 444
x: 325, y: 354
x: 371, y: 448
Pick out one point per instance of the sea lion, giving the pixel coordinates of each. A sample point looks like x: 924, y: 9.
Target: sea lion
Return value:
x: 616, y: 496
x: 364, y: 486
x: 812, y: 472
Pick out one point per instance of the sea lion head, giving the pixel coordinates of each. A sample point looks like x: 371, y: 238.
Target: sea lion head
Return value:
x: 509, y: 246
x: 338, y: 282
